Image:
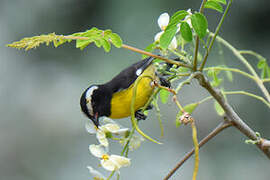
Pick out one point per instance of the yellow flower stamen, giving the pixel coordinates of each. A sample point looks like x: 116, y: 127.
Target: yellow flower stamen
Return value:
x: 105, y: 157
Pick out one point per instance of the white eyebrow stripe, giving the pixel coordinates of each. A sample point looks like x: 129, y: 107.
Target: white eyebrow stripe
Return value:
x: 88, y: 97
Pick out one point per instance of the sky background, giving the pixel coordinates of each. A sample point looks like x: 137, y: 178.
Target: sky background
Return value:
x: 42, y: 134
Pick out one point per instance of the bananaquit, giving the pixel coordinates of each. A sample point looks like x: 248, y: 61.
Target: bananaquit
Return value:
x: 113, y: 99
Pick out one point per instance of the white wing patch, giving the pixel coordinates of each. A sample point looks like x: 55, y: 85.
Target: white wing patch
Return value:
x: 88, y: 98
x: 139, y: 72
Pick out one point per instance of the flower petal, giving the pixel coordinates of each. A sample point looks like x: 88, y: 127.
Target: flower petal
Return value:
x: 101, y: 136
x: 97, y: 150
x: 115, y: 162
x: 173, y: 44
x: 119, y: 161
x: 90, y: 128
x: 110, y: 127
x: 163, y: 21
x: 187, y: 18
x: 108, y: 165
x: 96, y: 174
x: 158, y: 35
x: 135, y: 142
x: 121, y: 132
x: 107, y: 120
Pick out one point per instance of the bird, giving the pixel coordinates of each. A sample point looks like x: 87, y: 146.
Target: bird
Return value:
x: 113, y: 99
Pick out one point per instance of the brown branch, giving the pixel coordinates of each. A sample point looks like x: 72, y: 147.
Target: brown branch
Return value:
x: 265, y: 143
x: 155, y: 56
x: 223, y: 125
x: 230, y: 113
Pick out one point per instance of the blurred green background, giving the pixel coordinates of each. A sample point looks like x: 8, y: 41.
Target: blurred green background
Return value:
x: 42, y: 133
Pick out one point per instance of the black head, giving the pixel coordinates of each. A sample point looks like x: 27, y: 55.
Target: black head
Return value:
x: 88, y: 104
x: 96, y: 102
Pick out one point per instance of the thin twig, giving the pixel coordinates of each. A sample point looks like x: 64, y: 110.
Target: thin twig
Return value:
x: 223, y: 125
x: 155, y: 56
x: 215, y: 35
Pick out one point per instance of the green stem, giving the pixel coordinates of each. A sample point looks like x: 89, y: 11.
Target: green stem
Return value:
x: 238, y: 92
x: 249, y: 67
x: 196, y: 149
x: 111, y: 175
x: 215, y: 35
x: 127, y: 143
x: 231, y: 69
x: 258, y: 56
x: 182, y: 57
x: 133, y: 120
x: 197, y: 41
x: 249, y: 94
x: 205, y: 99
x: 187, y: 81
x: 266, y: 80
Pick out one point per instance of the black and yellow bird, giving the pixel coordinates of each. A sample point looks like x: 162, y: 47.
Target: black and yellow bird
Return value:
x: 113, y: 99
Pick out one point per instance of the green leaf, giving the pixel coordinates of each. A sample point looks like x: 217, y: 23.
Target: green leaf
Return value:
x: 98, y: 42
x: 186, y: 31
x: 264, y: 71
x: 189, y: 109
x: 261, y: 64
x: 213, y: 74
x: 220, y: 1
x: 219, y: 109
x: 177, y: 17
x: 151, y: 47
x: 116, y: 40
x: 83, y: 43
x: 167, y: 36
x: 106, y: 45
x: 59, y: 42
x: 200, y: 24
x: 107, y: 33
x: 164, y: 95
x: 214, y: 5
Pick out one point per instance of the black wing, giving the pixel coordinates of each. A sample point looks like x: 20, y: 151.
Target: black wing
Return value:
x: 128, y: 76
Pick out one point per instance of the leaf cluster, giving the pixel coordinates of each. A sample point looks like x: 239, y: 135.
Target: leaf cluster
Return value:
x: 99, y: 37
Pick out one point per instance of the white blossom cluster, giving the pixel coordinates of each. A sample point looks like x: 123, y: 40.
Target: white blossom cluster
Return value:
x: 163, y: 22
x: 108, y: 131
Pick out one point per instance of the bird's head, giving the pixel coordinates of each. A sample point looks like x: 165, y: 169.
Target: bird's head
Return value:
x: 89, y: 104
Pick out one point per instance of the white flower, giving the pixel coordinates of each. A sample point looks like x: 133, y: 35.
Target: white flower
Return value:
x: 108, y: 162
x: 96, y: 175
x: 134, y: 143
x: 110, y: 127
x: 163, y: 22
x: 187, y: 18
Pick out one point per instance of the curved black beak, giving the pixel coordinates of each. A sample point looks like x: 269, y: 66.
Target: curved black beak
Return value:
x: 95, y: 120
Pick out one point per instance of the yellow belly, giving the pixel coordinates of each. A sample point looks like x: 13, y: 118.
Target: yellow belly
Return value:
x: 121, y: 101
